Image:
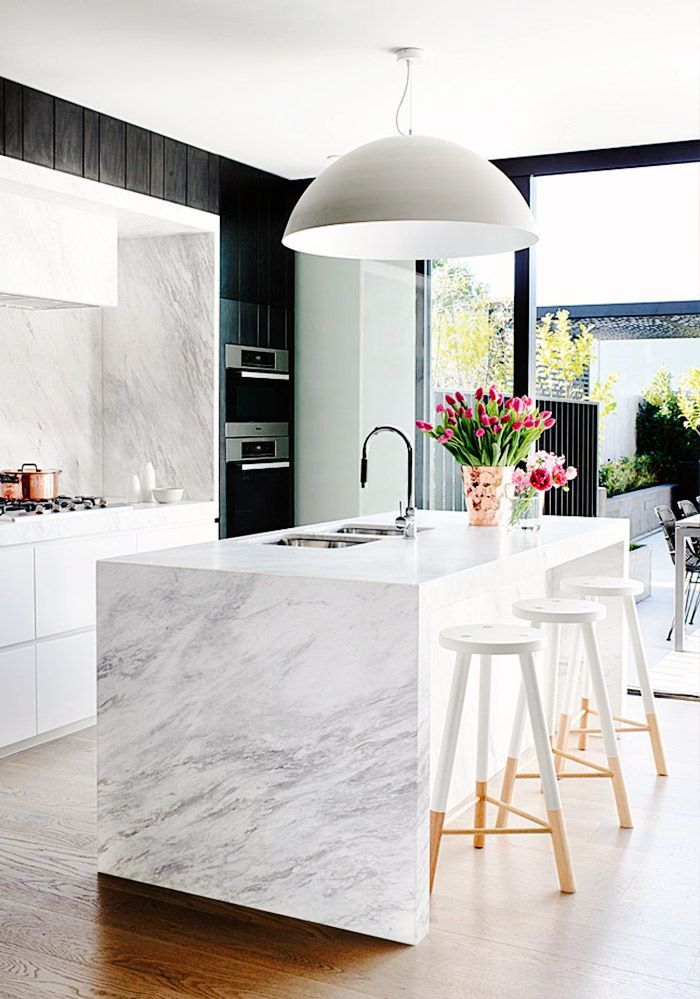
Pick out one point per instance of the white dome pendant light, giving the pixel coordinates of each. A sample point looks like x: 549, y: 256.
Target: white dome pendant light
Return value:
x: 410, y: 197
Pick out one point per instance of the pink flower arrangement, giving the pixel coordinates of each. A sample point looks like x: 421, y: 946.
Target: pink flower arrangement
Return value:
x: 496, y: 431
x: 544, y: 470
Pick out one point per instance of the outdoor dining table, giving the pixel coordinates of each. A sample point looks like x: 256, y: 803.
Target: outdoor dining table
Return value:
x: 689, y: 527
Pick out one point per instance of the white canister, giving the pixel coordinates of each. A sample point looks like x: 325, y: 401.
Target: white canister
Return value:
x: 133, y: 489
x: 148, y: 482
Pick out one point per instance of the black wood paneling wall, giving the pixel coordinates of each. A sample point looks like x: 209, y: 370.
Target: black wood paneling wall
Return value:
x: 39, y: 128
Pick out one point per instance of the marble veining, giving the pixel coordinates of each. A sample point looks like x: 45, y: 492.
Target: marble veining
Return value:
x: 159, y: 365
x: 51, y: 393
x: 265, y: 751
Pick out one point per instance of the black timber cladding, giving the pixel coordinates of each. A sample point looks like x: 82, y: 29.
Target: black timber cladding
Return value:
x: 55, y: 133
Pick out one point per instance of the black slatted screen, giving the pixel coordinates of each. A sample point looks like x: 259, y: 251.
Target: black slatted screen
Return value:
x: 575, y: 434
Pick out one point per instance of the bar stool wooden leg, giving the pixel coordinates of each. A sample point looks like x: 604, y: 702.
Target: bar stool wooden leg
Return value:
x: 482, y: 749
x: 560, y: 842
x: 567, y: 705
x: 645, y: 684
x: 448, y: 747
x: 606, y: 724
x: 516, y: 743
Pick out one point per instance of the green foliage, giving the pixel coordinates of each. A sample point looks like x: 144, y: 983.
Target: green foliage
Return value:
x: 660, y: 393
x: 626, y: 474
x: 564, y: 356
x: 689, y: 399
x: 472, y: 335
x: 662, y: 430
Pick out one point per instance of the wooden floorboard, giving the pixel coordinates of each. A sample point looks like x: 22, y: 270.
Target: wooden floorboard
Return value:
x: 500, y: 928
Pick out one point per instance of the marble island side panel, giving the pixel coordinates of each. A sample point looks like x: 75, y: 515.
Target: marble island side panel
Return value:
x: 264, y: 740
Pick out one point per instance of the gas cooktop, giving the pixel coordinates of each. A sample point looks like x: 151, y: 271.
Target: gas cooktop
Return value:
x: 14, y: 509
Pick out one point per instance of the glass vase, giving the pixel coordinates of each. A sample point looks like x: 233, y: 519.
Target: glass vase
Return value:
x: 528, y: 510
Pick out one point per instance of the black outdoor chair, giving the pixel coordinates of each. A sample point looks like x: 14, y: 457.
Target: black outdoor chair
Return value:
x: 667, y: 519
x: 687, y: 508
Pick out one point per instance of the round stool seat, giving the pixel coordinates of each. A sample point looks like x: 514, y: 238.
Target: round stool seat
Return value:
x: 492, y: 639
x: 558, y: 610
x: 602, y: 586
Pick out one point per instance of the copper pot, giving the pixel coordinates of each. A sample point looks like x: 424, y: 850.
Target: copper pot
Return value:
x: 39, y: 483
x: 10, y: 484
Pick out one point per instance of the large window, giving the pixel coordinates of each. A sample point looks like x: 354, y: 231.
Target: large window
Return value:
x: 472, y: 323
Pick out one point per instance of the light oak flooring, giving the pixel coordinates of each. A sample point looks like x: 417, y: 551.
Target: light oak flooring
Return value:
x: 500, y: 928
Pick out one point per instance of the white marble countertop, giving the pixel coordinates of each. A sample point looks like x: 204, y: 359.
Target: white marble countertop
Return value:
x: 84, y: 523
x: 450, y: 546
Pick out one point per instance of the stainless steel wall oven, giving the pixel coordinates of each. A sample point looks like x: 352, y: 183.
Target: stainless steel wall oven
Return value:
x: 258, y: 474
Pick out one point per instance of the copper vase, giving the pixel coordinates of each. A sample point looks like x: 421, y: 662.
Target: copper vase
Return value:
x: 486, y: 494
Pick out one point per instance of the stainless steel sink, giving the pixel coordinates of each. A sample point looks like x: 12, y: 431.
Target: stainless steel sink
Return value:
x: 384, y: 530
x: 335, y: 540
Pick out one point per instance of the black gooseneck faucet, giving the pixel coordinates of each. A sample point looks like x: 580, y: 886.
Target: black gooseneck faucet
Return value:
x: 405, y: 521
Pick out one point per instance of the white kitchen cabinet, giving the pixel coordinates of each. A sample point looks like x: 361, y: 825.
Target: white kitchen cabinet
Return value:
x: 16, y: 595
x: 65, y: 580
x: 157, y: 538
x: 65, y: 680
x: 47, y: 618
x: 17, y: 695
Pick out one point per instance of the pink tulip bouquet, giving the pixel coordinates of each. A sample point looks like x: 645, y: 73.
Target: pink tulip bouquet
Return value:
x: 494, y: 431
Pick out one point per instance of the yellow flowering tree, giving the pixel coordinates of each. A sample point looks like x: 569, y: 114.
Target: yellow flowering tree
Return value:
x: 564, y: 356
x: 689, y: 399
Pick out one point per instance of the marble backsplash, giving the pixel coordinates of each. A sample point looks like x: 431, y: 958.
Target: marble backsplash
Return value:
x: 98, y: 392
x: 158, y: 362
x: 51, y: 393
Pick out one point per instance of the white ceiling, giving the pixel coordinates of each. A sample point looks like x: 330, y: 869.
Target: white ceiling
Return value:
x: 283, y: 84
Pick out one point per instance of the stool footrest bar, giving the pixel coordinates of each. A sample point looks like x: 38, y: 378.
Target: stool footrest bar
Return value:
x: 516, y: 811
x: 512, y: 830
x: 584, y: 763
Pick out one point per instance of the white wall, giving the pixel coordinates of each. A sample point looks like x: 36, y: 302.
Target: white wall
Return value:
x: 637, y: 361
x: 355, y: 369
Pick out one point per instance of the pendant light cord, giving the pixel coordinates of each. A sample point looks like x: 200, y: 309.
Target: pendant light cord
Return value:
x: 408, y: 89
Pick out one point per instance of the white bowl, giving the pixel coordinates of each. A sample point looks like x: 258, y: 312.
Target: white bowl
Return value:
x: 168, y: 494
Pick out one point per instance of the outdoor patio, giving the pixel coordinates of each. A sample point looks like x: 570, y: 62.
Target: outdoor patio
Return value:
x: 672, y: 672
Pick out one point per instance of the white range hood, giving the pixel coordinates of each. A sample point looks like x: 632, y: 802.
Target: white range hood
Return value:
x: 55, y: 257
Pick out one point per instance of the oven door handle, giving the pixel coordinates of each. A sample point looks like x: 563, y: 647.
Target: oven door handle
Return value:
x: 253, y: 466
x: 268, y: 375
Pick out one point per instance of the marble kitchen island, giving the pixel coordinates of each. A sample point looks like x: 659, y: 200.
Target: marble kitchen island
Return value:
x: 267, y: 714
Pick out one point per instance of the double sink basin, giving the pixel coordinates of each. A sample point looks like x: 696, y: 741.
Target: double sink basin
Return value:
x: 343, y: 537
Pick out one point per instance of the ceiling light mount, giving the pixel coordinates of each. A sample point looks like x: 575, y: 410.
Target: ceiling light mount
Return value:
x: 410, y: 54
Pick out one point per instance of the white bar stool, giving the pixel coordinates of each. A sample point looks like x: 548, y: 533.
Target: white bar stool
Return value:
x: 583, y: 614
x: 487, y: 641
x: 625, y: 590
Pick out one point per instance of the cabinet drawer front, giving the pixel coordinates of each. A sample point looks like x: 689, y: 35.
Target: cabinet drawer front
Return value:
x: 65, y: 580
x: 17, y: 695
x: 16, y: 595
x: 175, y: 537
x: 65, y: 680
